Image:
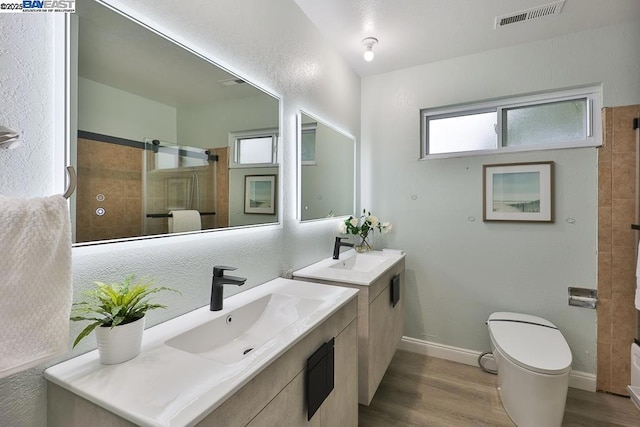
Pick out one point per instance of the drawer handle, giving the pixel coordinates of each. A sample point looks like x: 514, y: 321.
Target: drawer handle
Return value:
x: 395, y: 289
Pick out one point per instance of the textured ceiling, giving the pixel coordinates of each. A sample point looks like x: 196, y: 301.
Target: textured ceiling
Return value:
x: 116, y: 52
x: 414, y: 32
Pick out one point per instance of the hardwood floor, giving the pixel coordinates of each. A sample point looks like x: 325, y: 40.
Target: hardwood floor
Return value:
x: 423, y: 391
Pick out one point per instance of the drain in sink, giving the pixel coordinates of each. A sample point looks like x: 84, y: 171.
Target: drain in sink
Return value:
x: 247, y: 351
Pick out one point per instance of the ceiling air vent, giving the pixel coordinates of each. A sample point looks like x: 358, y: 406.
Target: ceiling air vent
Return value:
x: 529, y: 14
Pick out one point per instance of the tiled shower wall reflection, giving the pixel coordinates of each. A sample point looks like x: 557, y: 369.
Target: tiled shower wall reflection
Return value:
x: 617, y: 248
x: 109, y: 177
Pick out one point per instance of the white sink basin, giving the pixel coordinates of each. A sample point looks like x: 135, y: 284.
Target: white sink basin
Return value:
x: 231, y: 338
x: 353, y: 268
x: 360, y: 262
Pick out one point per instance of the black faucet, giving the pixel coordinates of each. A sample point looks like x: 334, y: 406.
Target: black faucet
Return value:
x: 218, y: 280
x: 336, y: 247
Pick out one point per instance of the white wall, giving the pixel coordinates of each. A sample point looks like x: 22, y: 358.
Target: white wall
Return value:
x: 208, y: 126
x: 460, y: 271
x: 283, y: 51
x: 26, y: 97
x: 110, y: 111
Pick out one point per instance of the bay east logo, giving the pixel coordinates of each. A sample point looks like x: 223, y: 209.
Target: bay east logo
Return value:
x: 48, y: 6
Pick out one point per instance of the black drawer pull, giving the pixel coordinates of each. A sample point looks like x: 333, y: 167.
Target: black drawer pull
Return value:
x: 320, y: 369
x: 395, y: 289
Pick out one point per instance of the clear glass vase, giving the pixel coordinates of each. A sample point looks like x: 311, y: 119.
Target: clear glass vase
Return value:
x: 365, y: 244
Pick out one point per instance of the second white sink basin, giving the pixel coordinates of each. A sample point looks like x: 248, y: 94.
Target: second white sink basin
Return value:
x: 231, y: 338
x: 353, y: 268
x: 360, y: 262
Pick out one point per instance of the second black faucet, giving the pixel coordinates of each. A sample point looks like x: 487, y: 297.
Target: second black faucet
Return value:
x: 336, y: 247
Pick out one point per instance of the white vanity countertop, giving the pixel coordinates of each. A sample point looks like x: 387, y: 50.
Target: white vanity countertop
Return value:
x: 353, y: 268
x: 165, y: 386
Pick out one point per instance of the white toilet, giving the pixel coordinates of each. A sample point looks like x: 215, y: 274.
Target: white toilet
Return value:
x: 534, y: 361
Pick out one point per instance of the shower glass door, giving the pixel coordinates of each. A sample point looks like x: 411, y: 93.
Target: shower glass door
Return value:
x: 177, y: 177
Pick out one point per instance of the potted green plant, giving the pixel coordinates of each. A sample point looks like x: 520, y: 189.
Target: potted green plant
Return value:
x: 117, y: 311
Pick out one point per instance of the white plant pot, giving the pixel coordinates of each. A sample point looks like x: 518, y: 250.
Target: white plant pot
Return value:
x: 119, y: 344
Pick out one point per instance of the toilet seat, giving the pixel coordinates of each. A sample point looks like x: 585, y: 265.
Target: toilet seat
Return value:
x: 530, y: 342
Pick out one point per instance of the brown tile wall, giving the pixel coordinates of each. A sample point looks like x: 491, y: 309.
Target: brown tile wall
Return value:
x: 116, y: 172
x: 617, y: 210
x: 222, y: 186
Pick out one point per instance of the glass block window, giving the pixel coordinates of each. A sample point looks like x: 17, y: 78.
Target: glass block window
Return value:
x: 553, y: 123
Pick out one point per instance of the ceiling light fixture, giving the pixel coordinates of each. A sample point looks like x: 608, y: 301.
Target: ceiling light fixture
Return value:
x: 368, y: 43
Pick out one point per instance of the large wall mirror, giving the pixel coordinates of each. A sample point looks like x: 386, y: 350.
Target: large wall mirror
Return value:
x: 326, y: 165
x: 166, y: 141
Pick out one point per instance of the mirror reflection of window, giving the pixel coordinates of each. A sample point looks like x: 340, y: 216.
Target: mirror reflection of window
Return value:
x: 254, y: 153
x: 255, y: 149
x: 308, y: 150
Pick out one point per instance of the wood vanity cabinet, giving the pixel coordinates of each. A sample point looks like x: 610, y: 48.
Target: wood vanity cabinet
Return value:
x: 281, y: 387
x: 380, y: 327
x: 274, y: 397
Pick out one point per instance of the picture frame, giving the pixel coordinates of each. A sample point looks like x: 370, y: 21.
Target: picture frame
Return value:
x: 260, y: 194
x: 518, y: 192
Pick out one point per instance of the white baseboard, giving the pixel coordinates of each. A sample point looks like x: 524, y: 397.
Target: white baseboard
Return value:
x: 577, y: 379
x: 441, y: 351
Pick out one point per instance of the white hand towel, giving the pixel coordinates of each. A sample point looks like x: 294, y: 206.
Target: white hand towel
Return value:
x: 35, y: 281
x: 187, y: 220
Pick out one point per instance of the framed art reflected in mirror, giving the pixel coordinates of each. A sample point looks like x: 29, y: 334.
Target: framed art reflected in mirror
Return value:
x: 260, y: 194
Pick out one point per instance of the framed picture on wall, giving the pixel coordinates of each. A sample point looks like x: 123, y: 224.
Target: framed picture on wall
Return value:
x: 518, y: 192
x: 260, y: 194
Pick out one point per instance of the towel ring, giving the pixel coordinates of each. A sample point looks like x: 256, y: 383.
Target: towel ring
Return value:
x: 73, y: 179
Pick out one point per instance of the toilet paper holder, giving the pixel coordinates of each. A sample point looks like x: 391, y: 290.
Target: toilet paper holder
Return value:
x: 583, y: 297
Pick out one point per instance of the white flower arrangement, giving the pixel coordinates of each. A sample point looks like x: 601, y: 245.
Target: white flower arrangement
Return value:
x: 364, y: 225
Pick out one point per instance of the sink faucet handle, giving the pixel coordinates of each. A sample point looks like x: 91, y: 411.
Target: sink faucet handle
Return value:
x: 219, y: 270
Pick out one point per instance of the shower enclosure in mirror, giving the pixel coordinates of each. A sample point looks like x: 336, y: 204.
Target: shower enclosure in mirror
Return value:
x: 129, y: 189
x: 180, y: 178
x: 326, y: 170
x: 158, y: 126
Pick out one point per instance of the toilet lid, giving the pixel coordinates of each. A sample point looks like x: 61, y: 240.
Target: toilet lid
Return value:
x: 530, y: 342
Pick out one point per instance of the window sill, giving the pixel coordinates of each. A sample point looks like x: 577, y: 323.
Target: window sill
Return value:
x: 476, y: 153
